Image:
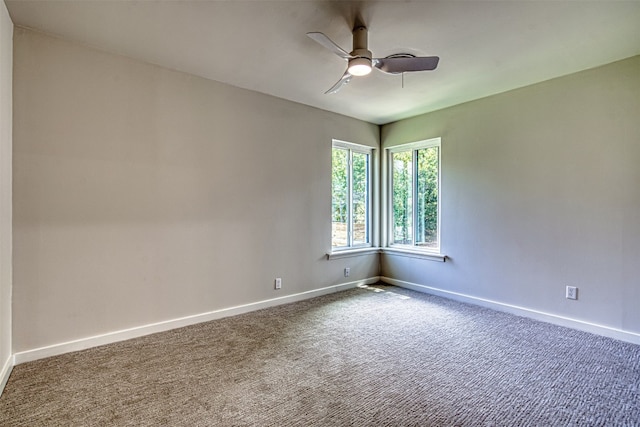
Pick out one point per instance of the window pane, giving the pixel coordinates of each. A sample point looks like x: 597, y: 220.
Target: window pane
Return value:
x: 427, y: 198
x: 402, y: 198
x: 340, y: 192
x: 360, y: 203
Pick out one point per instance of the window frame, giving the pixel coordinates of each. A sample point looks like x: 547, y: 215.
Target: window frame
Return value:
x: 369, y: 151
x: 413, y: 147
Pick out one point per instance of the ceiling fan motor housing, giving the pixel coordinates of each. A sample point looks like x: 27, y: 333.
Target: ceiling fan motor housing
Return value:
x: 360, y: 63
x: 360, y: 44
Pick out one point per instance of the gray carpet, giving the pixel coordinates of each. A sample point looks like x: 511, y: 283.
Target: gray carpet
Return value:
x: 362, y: 357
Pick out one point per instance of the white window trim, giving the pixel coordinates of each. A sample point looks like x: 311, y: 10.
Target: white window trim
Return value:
x: 431, y: 256
x: 411, y: 250
x: 414, y: 253
x: 370, y: 247
x: 347, y: 253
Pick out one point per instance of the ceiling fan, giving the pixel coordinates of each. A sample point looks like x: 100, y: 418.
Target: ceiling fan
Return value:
x: 361, y: 62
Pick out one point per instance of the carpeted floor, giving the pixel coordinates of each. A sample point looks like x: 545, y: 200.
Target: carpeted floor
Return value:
x: 379, y: 356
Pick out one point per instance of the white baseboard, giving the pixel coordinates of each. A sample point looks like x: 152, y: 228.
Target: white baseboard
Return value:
x: 5, y: 372
x: 606, y: 331
x: 116, y: 336
x: 111, y: 337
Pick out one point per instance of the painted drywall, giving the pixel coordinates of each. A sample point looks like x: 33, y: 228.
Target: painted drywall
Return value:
x: 143, y: 194
x: 539, y: 191
x: 6, y: 106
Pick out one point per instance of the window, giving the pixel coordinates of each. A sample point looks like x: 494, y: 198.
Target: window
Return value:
x: 351, y: 195
x: 415, y: 195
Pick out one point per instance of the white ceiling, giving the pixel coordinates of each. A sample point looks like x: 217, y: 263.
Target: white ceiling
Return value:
x: 485, y: 47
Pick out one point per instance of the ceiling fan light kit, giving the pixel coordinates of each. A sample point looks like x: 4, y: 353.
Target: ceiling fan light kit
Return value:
x: 361, y: 62
x: 359, y: 66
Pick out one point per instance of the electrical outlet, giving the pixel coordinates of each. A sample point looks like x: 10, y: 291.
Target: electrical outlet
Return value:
x: 278, y: 283
x: 572, y: 292
x: 347, y: 271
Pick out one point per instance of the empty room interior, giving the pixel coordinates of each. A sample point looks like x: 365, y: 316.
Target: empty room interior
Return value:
x: 319, y: 213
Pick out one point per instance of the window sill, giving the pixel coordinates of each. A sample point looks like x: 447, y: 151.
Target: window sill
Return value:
x: 432, y: 256
x: 353, y: 252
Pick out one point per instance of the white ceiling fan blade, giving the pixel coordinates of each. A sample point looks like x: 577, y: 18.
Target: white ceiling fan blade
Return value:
x: 405, y: 65
x: 329, y: 44
x: 346, y: 78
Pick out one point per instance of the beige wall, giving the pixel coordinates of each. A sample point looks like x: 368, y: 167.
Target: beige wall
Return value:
x: 540, y: 190
x: 6, y: 69
x: 143, y: 194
